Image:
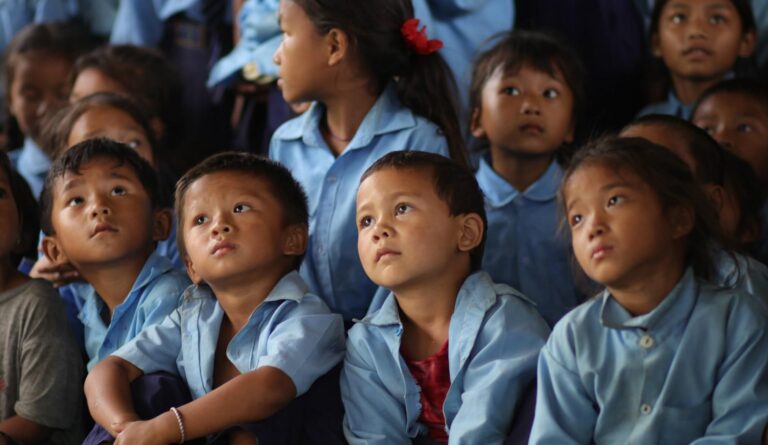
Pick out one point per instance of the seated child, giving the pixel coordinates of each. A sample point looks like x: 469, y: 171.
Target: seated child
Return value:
x: 697, y: 44
x: 705, y: 158
x: 525, y: 96
x: 101, y: 213
x: 40, y: 368
x: 449, y: 354
x: 247, y: 327
x: 661, y: 355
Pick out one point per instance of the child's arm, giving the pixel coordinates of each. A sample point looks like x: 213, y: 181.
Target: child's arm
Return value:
x: 108, y: 391
x: 24, y: 431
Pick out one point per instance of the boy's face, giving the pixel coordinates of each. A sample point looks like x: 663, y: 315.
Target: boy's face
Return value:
x: 700, y: 39
x: 9, y: 218
x: 103, y: 214
x: 406, y: 235
x: 527, y: 113
x: 92, y: 81
x: 111, y: 123
x: 39, y: 86
x: 740, y: 125
x: 234, y: 232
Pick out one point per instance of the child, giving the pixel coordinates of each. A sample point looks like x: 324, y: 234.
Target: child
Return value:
x: 705, y: 158
x: 525, y: 94
x: 379, y: 86
x: 735, y: 113
x: 37, y: 65
x: 660, y: 356
x: 101, y: 213
x: 744, y: 199
x: 40, y: 366
x: 699, y: 44
x: 449, y: 353
x: 247, y: 327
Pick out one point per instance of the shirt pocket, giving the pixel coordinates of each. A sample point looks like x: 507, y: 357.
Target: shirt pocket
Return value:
x: 684, y: 424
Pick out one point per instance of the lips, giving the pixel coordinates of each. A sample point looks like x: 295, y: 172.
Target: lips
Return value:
x: 697, y: 51
x: 222, y: 248
x: 531, y: 129
x: 385, y: 253
x: 600, y: 252
x: 101, y: 228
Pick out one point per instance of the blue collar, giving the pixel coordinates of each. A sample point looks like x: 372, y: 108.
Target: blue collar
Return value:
x: 32, y: 159
x: 290, y: 287
x: 498, y: 192
x: 386, y: 116
x: 675, y: 307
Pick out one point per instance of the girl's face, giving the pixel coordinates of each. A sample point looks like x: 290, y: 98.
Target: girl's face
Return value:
x: 9, y: 218
x: 92, y: 81
x: 111, y: 123
x: 39, y: 86
x: 301, y: 56
x: 620, y: 231
x: 701, y: 39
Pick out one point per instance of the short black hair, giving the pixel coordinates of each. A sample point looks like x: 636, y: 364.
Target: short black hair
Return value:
x: 454, y: 184
x: 749, y: 89
x: 543, y: 51
x: 283, y: 187
x: 705, y: 151
x: 26, y: 206
x: 86, y: 151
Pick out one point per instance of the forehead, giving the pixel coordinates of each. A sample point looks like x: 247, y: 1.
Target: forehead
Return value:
x: 106, y: 116
x: 97, y: 169
x: 228, y: 183
x: 727, y: 102
x: 706, y: 4
x: 594, y: 175
x: 41, y: 67
x: 398, y: 180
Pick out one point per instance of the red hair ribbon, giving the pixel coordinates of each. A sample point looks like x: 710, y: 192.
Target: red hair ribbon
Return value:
x: 417, y: 38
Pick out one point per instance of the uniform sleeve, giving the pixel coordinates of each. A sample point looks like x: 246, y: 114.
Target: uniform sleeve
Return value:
x: 427, y: 137
x: 156, y: 348
x: 372, y: 414
x: 565, y: 414
x: 739, y: 408
x: 51, y: 368
x: 306, y: 344
x: 137, y: 23
x: 161, y: 301
x: 500, y: 369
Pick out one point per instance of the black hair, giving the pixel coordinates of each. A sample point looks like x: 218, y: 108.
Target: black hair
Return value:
x: 742, y: 184
x: 749, y: 89
x: 283, y: 187
x: 28, y: 214
x: 424, y: 82
x: 454, y: 184
x: 705, y: 151
x: 542, y: 51
x: 86, y: 151
x: 668, y: 176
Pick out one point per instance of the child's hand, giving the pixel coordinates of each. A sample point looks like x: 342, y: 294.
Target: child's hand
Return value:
x: 142, y: 432
x: 59, y: 275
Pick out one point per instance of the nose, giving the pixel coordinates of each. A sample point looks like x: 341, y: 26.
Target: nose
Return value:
x: 100, y: 208
x: 723, y: 137
x: 596, y: 226
x: 696, y: 26
x: 530, y: 105
x: 277, y: 57
x: 221, y: 227
x: 382, y: 231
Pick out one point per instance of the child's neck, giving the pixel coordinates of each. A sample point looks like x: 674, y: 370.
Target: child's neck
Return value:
x: 10, y: 277
x: 643, y: 295
x: 688, y: 90
x: 114, y: 281
x: 344, y: 112
x: 519, y: 171
x: 239, y: 297
x: 425, y: 311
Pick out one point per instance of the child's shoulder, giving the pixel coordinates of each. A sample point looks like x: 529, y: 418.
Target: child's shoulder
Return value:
x: 738, y: 309
x: 35, y: 297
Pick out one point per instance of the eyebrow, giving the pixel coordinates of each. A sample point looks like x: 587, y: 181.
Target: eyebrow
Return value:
x: 393, y: 197
x: 605, y: 188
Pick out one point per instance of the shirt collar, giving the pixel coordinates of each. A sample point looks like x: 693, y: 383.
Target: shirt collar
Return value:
x: 387, y: 115
x: 498, y: 192
x: 33, y: 159
x: 290, y: 287
x: 675, y: 307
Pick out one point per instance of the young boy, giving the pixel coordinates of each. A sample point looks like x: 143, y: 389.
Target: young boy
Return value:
x: 247, y: 338
x: 101, y: 213
x: 525, y: 94
x: 448, y: 354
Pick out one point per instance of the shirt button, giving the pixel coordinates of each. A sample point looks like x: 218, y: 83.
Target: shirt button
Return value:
x: 645, y: 408
x: 646, y: 341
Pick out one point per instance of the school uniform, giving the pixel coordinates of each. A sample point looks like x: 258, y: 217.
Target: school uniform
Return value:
x: 741, y: 272
x: 290, y: 330
x: 695, y: 366
x: 671, y: 107
x: 16, y: 14
x: 494, y: 340
x: 32, y: 164
x: 332, y: 267
x: 154, y: 295
x: 525, y: 247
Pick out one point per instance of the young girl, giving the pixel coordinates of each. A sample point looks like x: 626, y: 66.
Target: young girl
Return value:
x: 660, y: 356
x: 37, y: 65
x: 379, y: 86
x: 41, y: 369
x: 699, y: 44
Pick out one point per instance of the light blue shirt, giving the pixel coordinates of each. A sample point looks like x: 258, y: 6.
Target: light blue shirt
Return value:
x: 671, y: 107
x: 154, y: 295
x: 32, y: 164
x: 332, y: 267
x: 16, y: 14
x: 260, y: 36
x: 100, y: 14
x: 742, y: 273
x: 525, y: 247
x: 290, y: 330
x: 493, y: 343
x: 694, y: 367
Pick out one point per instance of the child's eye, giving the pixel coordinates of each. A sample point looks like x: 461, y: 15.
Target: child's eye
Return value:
x: 709, y: 129
x: 366, y: 221
x: 613, y: 200
x: 575, y: 219
x: 717, y: 19
x: 133, y: 143
x: 745, y: 128
x: 200, y: 220
x: 240, y: 208
x: 402, y: 209
x: 75, y: 201
x: 511, y: 91
x: 677, y: 19
x: 118, y: 191
x: 551, y: 93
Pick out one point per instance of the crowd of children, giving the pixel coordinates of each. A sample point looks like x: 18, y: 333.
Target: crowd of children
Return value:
x: 427, y: 250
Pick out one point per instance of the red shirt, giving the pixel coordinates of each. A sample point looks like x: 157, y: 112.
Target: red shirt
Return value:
x: 434, y: 378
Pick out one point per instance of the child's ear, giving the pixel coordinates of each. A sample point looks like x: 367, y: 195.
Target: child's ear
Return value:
x: 747, y: 44
x: 716, y: 195
x: 53, y: 252
x: 474, y: 125
x: 161, y: 225
x: 470, y: 231
x: 338, y: 46
x: 295, y: 242
x: 683, y: 219
x: 191, y: 272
